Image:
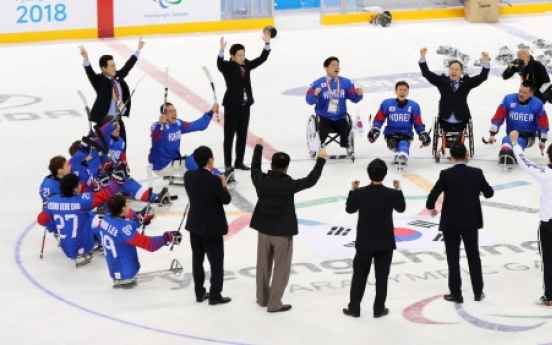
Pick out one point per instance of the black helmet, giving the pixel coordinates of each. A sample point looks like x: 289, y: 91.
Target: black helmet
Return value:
x: 272, y: 30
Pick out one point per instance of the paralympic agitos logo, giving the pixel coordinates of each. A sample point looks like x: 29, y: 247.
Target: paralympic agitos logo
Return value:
x: 167, y: 3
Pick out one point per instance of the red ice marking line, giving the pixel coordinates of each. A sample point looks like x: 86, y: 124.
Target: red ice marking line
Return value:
x: 183, y: 92
x: 237, y: 225
x: 414, y: 313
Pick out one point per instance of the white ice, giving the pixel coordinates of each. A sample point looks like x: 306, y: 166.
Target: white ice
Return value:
x: 49, y: 301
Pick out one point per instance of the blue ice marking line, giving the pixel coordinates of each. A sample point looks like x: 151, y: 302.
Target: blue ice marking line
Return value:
x: 509, y: 185
x: 90, y: 311
x: 491, y: 325
x: 514, y: 32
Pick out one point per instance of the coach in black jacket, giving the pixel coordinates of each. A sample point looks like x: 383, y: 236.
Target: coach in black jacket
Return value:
x: 207, y: 224
x: 275, y: 220
x: 454, y: 90
x: 111, y: 88
x: 238, y: 97
x: 461, y: 219
x: 533, y: 70
x: 375, y: 235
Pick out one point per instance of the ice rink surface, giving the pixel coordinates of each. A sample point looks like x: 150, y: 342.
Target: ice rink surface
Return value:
x: 49, y: 301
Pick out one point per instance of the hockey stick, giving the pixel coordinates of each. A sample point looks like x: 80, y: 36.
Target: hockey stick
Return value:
x: 181, y: 222
x: 83, y: 99
x: 43, y: 241
x: 175, y: 268
x: 166, y: 94
x: 123, y: 108
x: 208, y: 74
x: 484, y: 141
x: 150, y: 192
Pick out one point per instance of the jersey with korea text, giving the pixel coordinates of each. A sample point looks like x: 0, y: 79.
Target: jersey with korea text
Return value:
x: 528, y: 118
x: 400, y: 120
x: 339, y: 88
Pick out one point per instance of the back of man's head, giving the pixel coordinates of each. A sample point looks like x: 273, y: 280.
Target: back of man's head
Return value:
x: 377, y: 169
x: 115, y: 204
x: 67, y: 184
x: 458, y: 151
x: 280, y: 161
x: 202, y: 155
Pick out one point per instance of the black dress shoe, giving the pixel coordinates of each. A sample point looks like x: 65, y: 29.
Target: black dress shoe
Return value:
x: 222, y: 300
x: 455, y: 299
x: 241, y: 167
x: 480, y: 297
x: 347, y: 312
x: 201, y: 299
x: 385, y: 312
x: 285, y: 307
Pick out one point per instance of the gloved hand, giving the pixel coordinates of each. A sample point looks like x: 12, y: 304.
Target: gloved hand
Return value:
x: 119, y: 174
x: 373, y: 134
x: 424, y: 138
x: 143, y: 218
x: 98, y: 183
x: 172, y: 237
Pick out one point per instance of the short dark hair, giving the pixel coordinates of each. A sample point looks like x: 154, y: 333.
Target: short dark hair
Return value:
x: 549, y: 152
x: 75, y: 146
x: 107, y: 119
x: 402, y: 83
x: 67, y: 184
x: 105, y: 59
x: 202, y: 155
x: 329, y: 60
x: 235, y: 47
x: 529, y: 84
x: 458, y: 151
x: 165, y: 107
x: 280, y: 161
x: 115, y: 204
x: 377, y: 169
x: 56, y: 163
x: 458, y: 62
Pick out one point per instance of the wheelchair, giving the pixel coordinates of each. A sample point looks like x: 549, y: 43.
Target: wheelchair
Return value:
x: 448, y: 138
x: 333, y: 136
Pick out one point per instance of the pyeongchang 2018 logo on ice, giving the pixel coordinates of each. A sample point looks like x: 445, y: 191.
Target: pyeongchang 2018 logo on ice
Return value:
x: 167, y: 3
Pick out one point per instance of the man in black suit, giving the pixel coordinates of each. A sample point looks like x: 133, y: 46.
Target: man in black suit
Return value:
x: 112, y: 91
x: 275, y: 220
x: 461, y: 218
x: 238, y: 97
x: 375, y: 235
x: 207, y: 224
x: 454, y: 112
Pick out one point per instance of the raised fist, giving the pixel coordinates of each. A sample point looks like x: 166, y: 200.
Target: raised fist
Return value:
x: 354, y: 185
x: 143, y: 218
x: 260, y: 141
x: 120, y: 173
x: 322, y: 153
x: 423, y: 52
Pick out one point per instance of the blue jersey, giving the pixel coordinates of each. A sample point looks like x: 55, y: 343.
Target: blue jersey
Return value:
x: 165, y: 145
x: 117, y: 149
x: 49, y: 188
x: 73, y: 219
x: 120, y: 237
x: 340, y: 89
x: 400, y: 120
x: 529, y: 118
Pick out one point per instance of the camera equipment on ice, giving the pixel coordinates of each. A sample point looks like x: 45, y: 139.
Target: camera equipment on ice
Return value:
x: 383, y: 18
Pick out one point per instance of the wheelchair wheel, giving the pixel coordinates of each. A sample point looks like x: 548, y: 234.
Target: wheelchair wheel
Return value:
x: 470, y: 138
x: 312, y: 130
x: 436, y: 132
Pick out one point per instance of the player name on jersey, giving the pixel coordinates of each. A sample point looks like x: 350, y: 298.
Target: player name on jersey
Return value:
x: 63, y: 206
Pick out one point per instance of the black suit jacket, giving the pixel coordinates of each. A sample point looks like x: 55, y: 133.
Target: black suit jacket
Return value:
x: 274, y: 213
x: 534, y: 71
x: 452, y: 101
x: 375, y: 205
x: 104, y: 90
x: 461, y: 206
x: 235, y: 83
x: 207, y: 195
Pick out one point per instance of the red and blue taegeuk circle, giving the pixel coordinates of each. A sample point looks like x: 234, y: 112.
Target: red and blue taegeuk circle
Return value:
x: 406, y: 234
